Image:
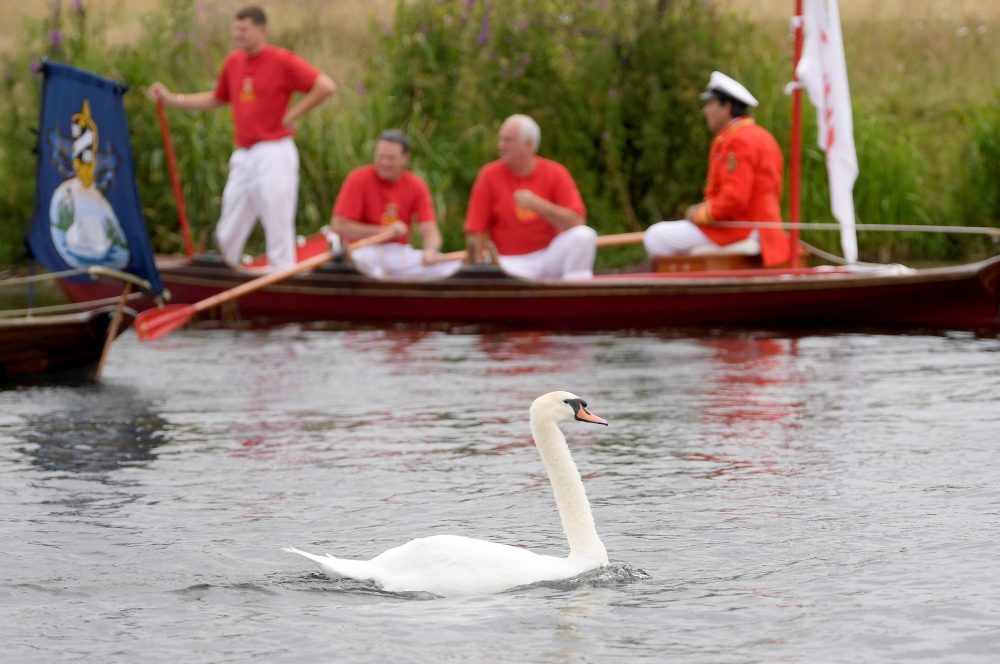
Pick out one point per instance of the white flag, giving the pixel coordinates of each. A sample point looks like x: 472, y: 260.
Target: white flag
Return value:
x: 823, y: 72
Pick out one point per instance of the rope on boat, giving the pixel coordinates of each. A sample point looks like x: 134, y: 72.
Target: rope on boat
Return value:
x: 903, y: 228
x: 95, y: 271
x: 61, y: 308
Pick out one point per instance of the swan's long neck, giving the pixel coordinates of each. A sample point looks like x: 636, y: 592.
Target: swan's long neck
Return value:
x: 574, y: 508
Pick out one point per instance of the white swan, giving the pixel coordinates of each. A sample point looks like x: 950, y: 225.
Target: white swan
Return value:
x: 451, y: 566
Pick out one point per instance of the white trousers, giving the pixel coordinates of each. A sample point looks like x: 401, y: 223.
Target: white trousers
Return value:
x: 393, y: 259
x: 667, y: 238
x: 263, y: 184
x: 570, y: 255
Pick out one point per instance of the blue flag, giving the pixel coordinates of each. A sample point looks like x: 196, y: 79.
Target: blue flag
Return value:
x: 87, y: 208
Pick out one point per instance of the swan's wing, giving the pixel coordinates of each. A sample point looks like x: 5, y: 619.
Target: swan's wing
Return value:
x: 452, y: 566
x: 337, y: 568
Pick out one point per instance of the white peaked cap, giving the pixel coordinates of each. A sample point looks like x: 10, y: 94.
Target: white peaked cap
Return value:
x: 726, y: 85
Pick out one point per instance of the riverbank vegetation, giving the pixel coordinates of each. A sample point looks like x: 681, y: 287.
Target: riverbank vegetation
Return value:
x: 613, y: 85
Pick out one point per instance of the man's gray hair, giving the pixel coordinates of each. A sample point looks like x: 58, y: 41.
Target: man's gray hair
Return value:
x: 395, y: 136
x: 528, y: 129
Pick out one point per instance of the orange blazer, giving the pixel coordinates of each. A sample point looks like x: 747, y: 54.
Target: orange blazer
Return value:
x: 745, y: 173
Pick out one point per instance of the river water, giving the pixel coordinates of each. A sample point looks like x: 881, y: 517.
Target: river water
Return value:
x: 822, y: 499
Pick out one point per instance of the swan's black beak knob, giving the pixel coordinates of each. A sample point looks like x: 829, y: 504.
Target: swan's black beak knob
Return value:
x: 581, y: 413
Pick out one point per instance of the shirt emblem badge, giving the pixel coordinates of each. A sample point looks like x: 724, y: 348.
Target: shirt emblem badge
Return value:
x: 246, y: 92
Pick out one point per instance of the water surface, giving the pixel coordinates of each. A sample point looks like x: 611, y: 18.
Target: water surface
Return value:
x: 825, y: 499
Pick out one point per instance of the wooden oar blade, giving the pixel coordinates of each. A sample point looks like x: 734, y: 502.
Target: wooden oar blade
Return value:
x: 153, y: 324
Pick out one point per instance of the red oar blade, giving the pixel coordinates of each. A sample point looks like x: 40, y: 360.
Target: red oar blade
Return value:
x: 152, y: 324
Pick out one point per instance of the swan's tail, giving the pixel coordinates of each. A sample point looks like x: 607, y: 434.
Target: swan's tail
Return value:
x: 335, y: 568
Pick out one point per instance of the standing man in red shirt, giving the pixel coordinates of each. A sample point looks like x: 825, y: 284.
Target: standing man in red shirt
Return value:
x: 745, y: 168
x: 385, y: 194
x: 258, y: 80
x: 531, y: 209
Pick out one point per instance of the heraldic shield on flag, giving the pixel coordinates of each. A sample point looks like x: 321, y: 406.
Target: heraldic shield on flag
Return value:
x: 87, y: 209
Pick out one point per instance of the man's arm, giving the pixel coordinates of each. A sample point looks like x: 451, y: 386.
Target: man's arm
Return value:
x: 197, y: 101
x: 476, y: 244
x: 431, y: 236
x: 321, y: 88
x: 560, y: 217
x: 343, y: 226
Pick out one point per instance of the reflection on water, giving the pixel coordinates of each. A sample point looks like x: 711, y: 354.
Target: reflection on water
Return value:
x: 94, y: 430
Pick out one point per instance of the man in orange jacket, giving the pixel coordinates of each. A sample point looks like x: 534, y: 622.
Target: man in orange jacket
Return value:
x: 745, y: 168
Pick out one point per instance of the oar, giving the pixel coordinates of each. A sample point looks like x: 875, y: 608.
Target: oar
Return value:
x: 155, y: 323
x: 602, y: 241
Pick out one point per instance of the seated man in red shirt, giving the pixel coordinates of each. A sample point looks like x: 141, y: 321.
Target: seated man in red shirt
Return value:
x: 744, y: 182
x: 386, y: 194
x: 531, y: 209
x: 257, y: 80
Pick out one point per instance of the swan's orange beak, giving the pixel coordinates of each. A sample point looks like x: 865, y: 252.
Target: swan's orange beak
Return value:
x: 585, y: 415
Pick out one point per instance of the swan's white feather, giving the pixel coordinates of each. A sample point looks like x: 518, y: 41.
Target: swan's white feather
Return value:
x: 451, y: 566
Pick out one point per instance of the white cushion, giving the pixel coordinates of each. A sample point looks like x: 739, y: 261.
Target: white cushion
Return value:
x: 747, y: 247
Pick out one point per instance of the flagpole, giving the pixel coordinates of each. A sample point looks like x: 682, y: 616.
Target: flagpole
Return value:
x: 795, y: 181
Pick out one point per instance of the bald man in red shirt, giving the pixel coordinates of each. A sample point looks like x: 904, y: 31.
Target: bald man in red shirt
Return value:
x: 531, y: 209
x: 258, y: 80
x: 745, y: 172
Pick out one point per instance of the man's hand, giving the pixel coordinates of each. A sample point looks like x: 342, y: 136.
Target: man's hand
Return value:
x: 399, y: 229
x: 690, y: 213
x: 158, y: 92
x: 431, y: 256
x: 529, y: 200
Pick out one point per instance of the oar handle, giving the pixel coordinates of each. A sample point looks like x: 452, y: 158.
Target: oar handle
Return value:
x: 602, y: 241
x: 175, y: 179
x: 619, y: 239
x: 281, y: 275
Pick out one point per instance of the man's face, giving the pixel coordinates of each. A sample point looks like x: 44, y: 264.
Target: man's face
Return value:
x: 717, y: 115
x: 390, y: 160
x: 513, y: 151
x: 248, y: 35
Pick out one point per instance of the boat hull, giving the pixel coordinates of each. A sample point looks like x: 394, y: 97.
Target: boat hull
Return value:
x: 963, y: 297
x: 55, y: 349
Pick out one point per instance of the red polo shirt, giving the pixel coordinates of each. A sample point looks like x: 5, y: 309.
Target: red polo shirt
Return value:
x: 516, y: 231
x: 259, y: 88
x: 367, y: 198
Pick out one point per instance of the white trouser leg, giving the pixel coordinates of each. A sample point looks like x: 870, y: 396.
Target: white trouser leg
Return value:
x: 277, y: 195
x: 667, y: 238
x: 238, y: 211
x: 400, y: 260
x: 263, y: 183
x: 570, y: 255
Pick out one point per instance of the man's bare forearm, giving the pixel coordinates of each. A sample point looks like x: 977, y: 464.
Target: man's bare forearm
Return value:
x: 431, y: 235
x: 321, y: 88
x: 560, y: 217
x: 197, y: 101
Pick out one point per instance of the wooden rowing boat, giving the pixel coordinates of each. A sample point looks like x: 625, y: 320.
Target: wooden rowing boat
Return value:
x: 62, y: 348
x: 961, y: 297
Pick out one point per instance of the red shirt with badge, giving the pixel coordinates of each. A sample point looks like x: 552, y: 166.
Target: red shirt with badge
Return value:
x: 367, y: 198
x: 514, y: 230
x: 259, y: 87
x: 745, y: 167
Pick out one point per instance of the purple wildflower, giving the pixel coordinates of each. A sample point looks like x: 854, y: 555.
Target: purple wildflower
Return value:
x: 519, y: 71
x: 525, y: 59
x: 468, y: 8
x: 484, y: 34
x: 386, y: 28
x: 524, y: 25
x: 360, y: 89
x: 36, y: 70
x: 56, y: 37
x: 179, y: 36
x: 200, y: 8
x: 612, y: 93
x: 424, y: 29
x: 505, y: 71
x: 78, y: 6
x: 606, y: 136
